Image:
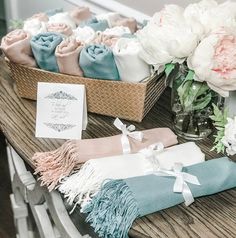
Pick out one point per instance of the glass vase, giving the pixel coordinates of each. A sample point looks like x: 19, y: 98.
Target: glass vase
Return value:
x: 191, y: 103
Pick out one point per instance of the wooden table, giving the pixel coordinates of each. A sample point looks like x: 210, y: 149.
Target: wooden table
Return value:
x: 213, y: 216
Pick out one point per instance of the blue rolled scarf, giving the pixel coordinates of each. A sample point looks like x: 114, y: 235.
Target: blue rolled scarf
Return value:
x: 97, y: 61
x: 113, y: 210
x: 97, y: 25
x: 43, y: 47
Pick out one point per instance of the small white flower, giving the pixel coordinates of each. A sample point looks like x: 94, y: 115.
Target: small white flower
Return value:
x: 229, y: 139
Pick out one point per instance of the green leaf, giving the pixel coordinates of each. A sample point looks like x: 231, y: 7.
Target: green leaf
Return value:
x: 169, y: 68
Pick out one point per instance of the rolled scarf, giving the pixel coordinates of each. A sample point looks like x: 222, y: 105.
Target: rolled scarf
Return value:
x: 83, y: 185
x: 60, y: 28
x: 53, y: 166
x: 67, y: 54
x: 117, y: 31
x: 97, y: 61
x: 63, y: 17
x: 131, y: 23
x: 108, y: 40
x: 84, y: 34
x: 16, y: 47
x: 41, y: 16
x: 110, y: 17
x: 43, y: 46
x: 97, y: 25
x: 80, y: 14
x: 34, y: 26
x: 126, y: 50
x: 120, y: 202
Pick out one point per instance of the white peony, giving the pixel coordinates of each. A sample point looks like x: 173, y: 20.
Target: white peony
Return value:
x: 63, y: 17
x: 214, y: 61
x: 167, y: 38
x: 34, y: 26
x: 229, y: 139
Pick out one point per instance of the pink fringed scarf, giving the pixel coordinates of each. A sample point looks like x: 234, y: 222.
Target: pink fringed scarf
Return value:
x: 53, y: 166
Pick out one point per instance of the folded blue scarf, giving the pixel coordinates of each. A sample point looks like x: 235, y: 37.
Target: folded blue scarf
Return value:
x: 97, y: 25
x: 97, y: 61
x: 43, y: 46
x: 120, y: 202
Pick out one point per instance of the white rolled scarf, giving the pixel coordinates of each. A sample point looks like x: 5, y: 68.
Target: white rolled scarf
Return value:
x: 130, y: 66
x: 34, y: 26
x: 63, y: 17
x: 84, y: 34
x: 83, y: 185
x: 117, y: 31
x: 111, y: 18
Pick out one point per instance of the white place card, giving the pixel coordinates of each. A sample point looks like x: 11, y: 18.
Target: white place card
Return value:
x: 61, y: 111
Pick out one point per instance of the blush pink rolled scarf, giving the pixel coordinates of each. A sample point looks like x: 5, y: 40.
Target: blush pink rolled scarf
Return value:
x: 80, y: 14
x: 16, y: 47
x: 55, y: 165
x: 41, y: 16
x: 108, y: 40
x: 61, y: 28
x: 67, y: 55
x: 131, y: 23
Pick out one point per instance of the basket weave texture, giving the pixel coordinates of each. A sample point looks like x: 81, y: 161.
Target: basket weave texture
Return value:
x: 131, y: 101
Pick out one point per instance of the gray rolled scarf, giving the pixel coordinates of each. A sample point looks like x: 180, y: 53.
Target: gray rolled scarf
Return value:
x: 120, y: 202
x: 97, y: 61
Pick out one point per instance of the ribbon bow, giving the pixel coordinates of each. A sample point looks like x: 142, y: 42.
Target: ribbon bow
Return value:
x: 150, y: 153
x: 181, y: 181
x: 127, y: 131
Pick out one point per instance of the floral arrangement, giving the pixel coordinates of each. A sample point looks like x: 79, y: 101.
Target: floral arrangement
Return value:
x: 201, y: 40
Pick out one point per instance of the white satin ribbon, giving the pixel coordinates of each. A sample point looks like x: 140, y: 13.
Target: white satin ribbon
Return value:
x: 127, y: 131
x: 182, y: 178
x: 150, y: 153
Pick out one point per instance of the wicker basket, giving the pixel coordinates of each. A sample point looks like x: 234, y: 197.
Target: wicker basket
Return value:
x: 131, y: 101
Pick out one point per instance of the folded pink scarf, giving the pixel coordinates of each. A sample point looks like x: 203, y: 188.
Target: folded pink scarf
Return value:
x: 16, y: 46
x: 41, y: 16
x: 67, y: 55
x: 61, y: 28
x: 80, y: 14
x: 131, y: 23
x: 108, y: 40
x: 53, y: 166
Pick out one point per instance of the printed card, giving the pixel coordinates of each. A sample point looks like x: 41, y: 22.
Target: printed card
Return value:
x: 61, y: 111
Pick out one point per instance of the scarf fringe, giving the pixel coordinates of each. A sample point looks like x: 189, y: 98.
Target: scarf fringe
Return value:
x: 113, y: 210
x: 81, y: 186
x: 55, y: 165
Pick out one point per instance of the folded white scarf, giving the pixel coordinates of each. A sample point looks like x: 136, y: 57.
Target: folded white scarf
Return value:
x: 117, y: 31
x: 34, y: 26
x: 63, y: 17
x: 130, y: 66
x: 84, y: 34
x: 111, y: 18
x: 84, y: 184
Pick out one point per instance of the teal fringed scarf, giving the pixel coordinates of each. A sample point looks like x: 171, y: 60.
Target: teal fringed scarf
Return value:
x: 97, y: 25
x: 120, y: 202
x: 43, y: 46
x: 97, y: 61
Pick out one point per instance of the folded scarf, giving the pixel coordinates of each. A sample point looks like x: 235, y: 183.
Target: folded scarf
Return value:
x: 131, y: 23
x: 97, y: 61
x: 34, y: 26
x: 43, y: 46
x: 117, y: 31
x: 84, y: 34
x: 41, y: 16
x: 16, y: 47
x: 120, y: 202
x: 110, y: 17
x: 80, y: 14
x: 83, y: 185
x: 59, y: 28
x: 67, y: 55
x: 95, y: 24
x: 52, y: 12
x: 55, y: 165
x: 108, y: 40
x: 63, y: 17
x: 127, y: 50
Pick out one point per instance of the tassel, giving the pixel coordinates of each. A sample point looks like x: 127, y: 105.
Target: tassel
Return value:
x: 113, y: 210
x: 55, y: 165
x: 81, y: 186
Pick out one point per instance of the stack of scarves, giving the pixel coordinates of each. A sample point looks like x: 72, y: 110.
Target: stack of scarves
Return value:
x: 55, y: 165
x: 83, y: 185
x: 119, y: 202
